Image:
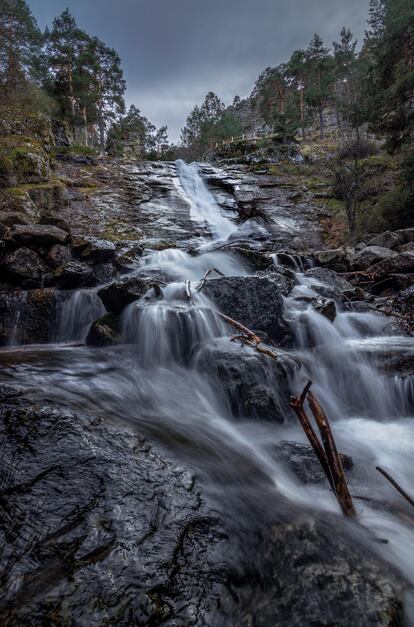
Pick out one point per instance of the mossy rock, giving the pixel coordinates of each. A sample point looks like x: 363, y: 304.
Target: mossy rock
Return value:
x: 106, y: 331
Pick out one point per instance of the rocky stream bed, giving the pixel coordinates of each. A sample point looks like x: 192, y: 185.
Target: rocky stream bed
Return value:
x: 152, y: 470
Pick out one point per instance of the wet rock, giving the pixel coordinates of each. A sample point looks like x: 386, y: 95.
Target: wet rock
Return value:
x: 105, y: 331
x: 112, y: 532
x: 330, y: 278
x: 301, y: 460
x: 405, y: 301
x: 36, y: 235
x: 55, y: 219
x: 10, y: 218
x: 371, y: 255
x: 26, y: 317
x: 406, y: 248
x: 124, y: 291
x: 328, y: 579
x: 24, y: 266
x: 128, y: 253
x: 103, y: 272
x: 58, y: 255
x: 402, y: 263
x: 338, y: 259
x: 388, y: 239
x: 253, y: 385
x: 326, y: 307
x: 98, y: 250
x: 407, y: 235
x: 254, y: 301
x: 72, y: 275
x: 255, y: 259
x: 108, y: 527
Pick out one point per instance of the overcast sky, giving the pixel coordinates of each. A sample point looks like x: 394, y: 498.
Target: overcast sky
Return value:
x: 174, y: 51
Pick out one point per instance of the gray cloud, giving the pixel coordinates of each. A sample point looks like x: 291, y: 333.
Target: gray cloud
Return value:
x: 174, y: 51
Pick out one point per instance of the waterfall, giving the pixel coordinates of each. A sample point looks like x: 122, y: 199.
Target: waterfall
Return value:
x: 75, y: 313
x: 202, y: 203
x: 16, y: 304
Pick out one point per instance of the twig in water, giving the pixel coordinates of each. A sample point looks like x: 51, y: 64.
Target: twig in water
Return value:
x: 207, y: 274
x: 396, y: 485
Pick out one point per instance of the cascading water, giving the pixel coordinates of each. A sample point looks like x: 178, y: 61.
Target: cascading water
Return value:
x: 75, y: 313
x: 202, y: 203
x: 161, y: 380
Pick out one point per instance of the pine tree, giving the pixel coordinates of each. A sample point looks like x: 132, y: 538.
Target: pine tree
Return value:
x: 20, y: 46
x: 344, y: 74
x: 320, y: 78
x: 297, y: 71
x: 65, y: 44
x: 107, y: 84
x: 393, y: 75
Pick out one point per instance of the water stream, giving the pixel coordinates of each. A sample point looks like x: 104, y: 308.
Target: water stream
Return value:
x: 158, y: 381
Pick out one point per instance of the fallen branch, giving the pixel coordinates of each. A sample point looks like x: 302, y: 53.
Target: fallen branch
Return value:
x: 333, y: 457
x: 297, y: 405
x: 207, y: 274
x: 248, y: 337
x: 240, y: 327
x: 396, y: 485
x: 327, y: 453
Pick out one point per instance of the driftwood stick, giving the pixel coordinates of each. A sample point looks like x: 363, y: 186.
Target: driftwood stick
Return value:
x: 396, y: 485
x: 297, y: 405
x: 207, y: 274
x: 244, y: 339
x: 240, y: 327
x: 334, y: 460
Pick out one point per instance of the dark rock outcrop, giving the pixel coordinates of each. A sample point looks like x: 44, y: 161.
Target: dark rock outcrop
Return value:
x: 58, y: 255
x: 388, y: 239
x: 105, y: 331
x: 23, y: 266
x: 109, y: 531
x: 124, y: 291
x: 72, y: 275
x: 253, y: 385
x: 255, y: 301
x: 36, y: 235
x: 402, y: 263
x: 370, y: 255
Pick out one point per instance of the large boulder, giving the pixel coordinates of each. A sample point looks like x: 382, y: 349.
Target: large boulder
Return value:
x: 10, y: 218
x: 370, y: 255
x: 338, y: 259
x: 124, y: 291
x: 97, y: 250
x: 407, y: 235
x: 36, y: 235
x: 388, y: 239
x: 26, y: 317
x: 255, y: 301
x: 72, y: 275
x: 253, y: 384
x: 112, y: 532
x: 24, y: 266
x: 402, y: 263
